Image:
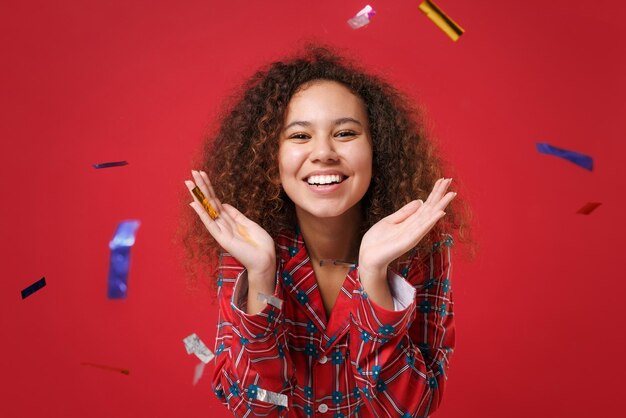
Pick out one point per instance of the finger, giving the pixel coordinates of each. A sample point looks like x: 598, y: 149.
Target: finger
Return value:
x: 211, y: 193
x: 445, y: 201
x: 209, y: 223
x: 438, y: 191
x: 209, y: 186
x: 205, y: 191
x: 404, y: 212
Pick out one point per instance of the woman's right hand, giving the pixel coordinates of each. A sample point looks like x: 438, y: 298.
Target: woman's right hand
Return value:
x: 234, y: 232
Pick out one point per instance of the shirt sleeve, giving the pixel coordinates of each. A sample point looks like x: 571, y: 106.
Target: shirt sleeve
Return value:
x: 400, y: 358
x: 253, y: 369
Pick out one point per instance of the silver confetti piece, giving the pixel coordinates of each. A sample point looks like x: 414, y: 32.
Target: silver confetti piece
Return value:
x: 272, y: 397
x: 270, y: 300
x: 194, y: 345
x: 198, y: 373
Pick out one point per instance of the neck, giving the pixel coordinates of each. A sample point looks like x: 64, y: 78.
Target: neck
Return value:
x: 334, y: 238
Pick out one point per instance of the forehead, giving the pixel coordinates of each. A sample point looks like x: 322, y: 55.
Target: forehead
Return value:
x: 324, y: 98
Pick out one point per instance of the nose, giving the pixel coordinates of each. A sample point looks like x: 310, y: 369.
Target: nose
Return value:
x: 323, y: 150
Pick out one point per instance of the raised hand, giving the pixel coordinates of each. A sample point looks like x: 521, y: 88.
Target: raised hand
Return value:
x: 234, y: 232
x: 396, y: 234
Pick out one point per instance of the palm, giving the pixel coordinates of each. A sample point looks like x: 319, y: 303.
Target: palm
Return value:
x: 396, y: 234
x: 234, y: 232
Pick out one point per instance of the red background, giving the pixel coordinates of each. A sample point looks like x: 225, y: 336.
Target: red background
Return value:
x: 539, y: 311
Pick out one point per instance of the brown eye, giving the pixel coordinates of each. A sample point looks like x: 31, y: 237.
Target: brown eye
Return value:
x: 299, y: 136
x: 345, y: 134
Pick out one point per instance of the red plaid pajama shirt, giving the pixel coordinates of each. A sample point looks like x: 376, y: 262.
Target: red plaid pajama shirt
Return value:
x: 363, y: 361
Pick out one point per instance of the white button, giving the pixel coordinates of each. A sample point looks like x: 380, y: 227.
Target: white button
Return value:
x: 323, y: 408
x: 323, y: 360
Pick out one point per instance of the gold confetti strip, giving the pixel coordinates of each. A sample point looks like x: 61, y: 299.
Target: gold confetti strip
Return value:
x: 439, y: 18
x: 205, y: 202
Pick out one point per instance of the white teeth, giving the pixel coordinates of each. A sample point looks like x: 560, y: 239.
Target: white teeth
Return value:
x: 324, y: 179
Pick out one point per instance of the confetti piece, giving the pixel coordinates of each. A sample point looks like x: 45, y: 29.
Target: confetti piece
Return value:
x: 244, y: 233
x: 439, y: 18
x: 577, y: 158
x: 194, y: 345
x: 270, y: 300
x: 588, y: 208
x: 198, y: 373
x: 111, y: 164
x: 205, y: 202
x: 362, y: 18
x: 114, y: 369
x: 328, y: 261
x: 33, y: 288
x: 272, y: 397
x: 119, y: 263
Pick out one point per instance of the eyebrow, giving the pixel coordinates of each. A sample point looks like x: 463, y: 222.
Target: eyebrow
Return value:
x: 336, y: 122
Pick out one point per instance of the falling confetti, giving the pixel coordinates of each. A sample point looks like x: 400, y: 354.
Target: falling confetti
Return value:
x: 362, y: 18
x: 588, y: 208
x: 577, y: 158
x: 100, y: 366
x: 110, y: 164
x: 194, y: 345
x: 198, y: 373
x: 439, y: 18
x: 33, y: 288
x: 120, y: 246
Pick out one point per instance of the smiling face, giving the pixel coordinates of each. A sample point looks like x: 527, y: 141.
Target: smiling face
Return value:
x: 325, y: 152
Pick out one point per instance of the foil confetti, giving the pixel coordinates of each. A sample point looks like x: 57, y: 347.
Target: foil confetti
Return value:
x: 272, y: 397
x: 39, y: 284
x: 270, y: 300
x: 588, y: 208
x: 439, y: 18
x: 198, y: 372
x: 577, y: 158
x: 110, y: 164
x: 194, y: 345
x: 205, y: 203
x: 114, y: 369
x: 119, y: 264
x: 362, y: 18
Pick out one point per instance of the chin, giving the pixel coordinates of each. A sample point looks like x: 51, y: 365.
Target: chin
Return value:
x: 326, y: 212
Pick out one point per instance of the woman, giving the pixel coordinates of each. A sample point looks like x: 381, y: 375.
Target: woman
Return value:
x: 330, y: 187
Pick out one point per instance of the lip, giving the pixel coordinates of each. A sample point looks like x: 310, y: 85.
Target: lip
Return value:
x: 325, y: 189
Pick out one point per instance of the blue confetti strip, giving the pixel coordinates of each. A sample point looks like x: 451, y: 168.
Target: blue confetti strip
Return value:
x: 120, y: 246
x: 577, y: 158
x: 33, y: 287
x: 110, y: 164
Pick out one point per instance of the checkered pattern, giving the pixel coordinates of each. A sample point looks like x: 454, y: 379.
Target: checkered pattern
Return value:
x: 363, y: 361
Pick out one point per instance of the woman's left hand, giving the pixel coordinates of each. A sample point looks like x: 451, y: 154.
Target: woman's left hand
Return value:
x: 396, y: 234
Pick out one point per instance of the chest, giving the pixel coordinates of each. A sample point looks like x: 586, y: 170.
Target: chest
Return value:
x: 329, y: 281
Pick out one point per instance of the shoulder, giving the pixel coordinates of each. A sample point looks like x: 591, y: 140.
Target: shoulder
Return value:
x: 423, y: 264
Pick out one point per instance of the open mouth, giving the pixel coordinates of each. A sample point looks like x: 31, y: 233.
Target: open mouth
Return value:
x: 320, y: 181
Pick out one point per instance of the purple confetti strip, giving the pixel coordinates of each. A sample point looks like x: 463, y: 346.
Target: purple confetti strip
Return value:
x: 110, y: 164
x: 577, y: 158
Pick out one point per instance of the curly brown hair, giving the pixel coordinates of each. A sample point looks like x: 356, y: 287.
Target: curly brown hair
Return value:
x: 240, y: 158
